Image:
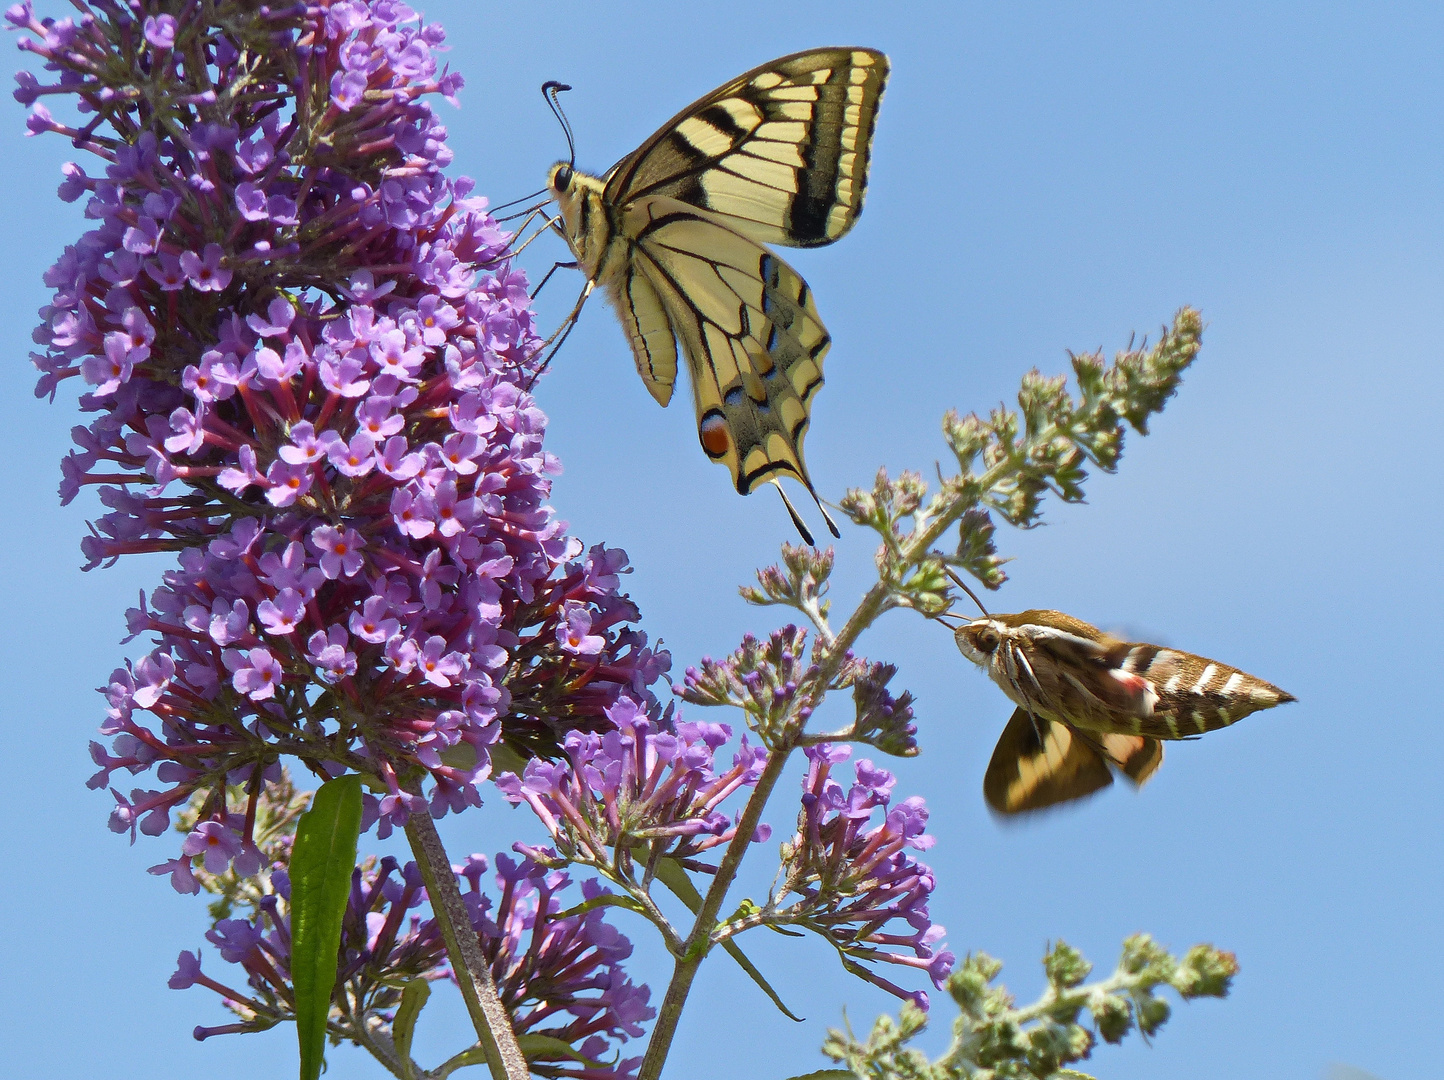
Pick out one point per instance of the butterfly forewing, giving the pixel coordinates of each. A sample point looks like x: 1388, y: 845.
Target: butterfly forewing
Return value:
x: 781, y: 152
x: 1040, y: 763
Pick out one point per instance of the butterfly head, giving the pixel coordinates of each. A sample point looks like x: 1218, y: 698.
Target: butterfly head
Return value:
x: 585, y: 223
x: 559, y: 180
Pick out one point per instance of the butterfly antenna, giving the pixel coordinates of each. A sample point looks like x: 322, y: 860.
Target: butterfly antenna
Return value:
x: 797, y: 518
x: 550, y: 90
x: 524, y: 198
x: 963, y: 585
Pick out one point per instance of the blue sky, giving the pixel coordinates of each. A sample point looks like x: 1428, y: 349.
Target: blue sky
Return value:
x: 1046, y: 177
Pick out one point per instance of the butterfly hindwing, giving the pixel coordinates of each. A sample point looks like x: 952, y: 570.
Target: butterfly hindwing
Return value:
x: 1136, y: 755
x: 749, y: 331
x: 780, y: 153
x: 649, y: 331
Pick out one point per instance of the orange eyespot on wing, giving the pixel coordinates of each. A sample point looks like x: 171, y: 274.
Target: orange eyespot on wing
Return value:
x: 716, y: 439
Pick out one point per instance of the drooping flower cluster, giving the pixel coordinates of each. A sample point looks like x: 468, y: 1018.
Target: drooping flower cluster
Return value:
x: 310, y: 359
x: 882, y: 720
x: 548, y: 968
x: 648, y: 780
x: 559, y: 977
x: 854, y: 876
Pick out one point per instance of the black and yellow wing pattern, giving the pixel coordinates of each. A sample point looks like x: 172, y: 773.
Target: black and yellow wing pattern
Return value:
x: 780, y: 153
x: 675, y: 232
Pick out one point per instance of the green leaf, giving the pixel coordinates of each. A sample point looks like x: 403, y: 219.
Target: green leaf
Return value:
x: 475, y: 1056
x: 672, y: 875
x: 533, y: 1046
x: 827, y: 1074
x: 321, y: 864
x: 413, y: 997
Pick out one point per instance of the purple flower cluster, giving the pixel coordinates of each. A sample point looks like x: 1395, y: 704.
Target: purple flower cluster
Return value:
x: 559, y: 977
x: 761, y: 677
x: 883, y: 720
x: 310, y: 385
x: 774, y: 681
x: 855, y: 876
x: 547, y: 968
x: 225, y: 697
x: 644, y: 780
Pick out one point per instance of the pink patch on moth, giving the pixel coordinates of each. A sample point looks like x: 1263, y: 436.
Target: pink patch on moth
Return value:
x: 1146, y: 697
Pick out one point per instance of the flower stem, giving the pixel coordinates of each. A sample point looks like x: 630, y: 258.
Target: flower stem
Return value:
x: 873, y: 603
x: 463, y: 947
x: 694, y: 949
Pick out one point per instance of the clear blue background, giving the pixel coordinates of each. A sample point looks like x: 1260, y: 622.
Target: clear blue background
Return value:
x: 1045, y: 177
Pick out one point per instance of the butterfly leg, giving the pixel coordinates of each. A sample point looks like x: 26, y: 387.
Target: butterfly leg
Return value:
x: 548, y: 275
x: 1017, y: 664
x: 513, y: 252
x: 1023, y: 666
x: 1037, y: 727
x: 558, y: 336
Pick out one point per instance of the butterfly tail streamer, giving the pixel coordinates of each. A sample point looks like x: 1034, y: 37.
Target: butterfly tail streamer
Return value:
x: 796, y: 517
